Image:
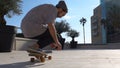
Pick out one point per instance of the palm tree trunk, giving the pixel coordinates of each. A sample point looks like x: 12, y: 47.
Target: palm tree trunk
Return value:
x: 84, y: 34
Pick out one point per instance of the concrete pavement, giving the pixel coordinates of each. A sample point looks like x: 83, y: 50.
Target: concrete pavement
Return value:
x: 64, y: 59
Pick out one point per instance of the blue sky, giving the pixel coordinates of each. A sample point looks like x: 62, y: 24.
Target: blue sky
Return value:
x: 77, y: 10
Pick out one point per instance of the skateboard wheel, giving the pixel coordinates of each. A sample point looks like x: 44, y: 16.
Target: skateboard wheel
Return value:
x: 49, y: 57
x: 42, y: 59
x: 32, y: 59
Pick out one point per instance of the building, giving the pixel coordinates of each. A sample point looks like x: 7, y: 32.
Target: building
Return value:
x: 113, y: 30
x: 98, y: 30
x: 98, y: 26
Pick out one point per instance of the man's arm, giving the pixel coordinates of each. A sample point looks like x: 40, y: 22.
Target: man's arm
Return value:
x: 53, y: 33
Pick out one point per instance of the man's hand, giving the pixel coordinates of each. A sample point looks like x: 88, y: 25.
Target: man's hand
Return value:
x: 57, y: 46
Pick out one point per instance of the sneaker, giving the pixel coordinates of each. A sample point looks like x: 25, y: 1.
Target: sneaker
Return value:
x: 47, y: 51
x: 32, y: 49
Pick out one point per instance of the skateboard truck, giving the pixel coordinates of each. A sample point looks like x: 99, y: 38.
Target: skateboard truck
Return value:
x: 39, y: 55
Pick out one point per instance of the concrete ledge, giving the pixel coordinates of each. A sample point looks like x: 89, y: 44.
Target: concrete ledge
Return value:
x: 23, y: 43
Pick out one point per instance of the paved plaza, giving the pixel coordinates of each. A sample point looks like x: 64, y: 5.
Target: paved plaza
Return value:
x: 64, y: 59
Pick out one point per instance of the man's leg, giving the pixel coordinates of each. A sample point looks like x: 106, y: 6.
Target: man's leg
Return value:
x: 43, y: 40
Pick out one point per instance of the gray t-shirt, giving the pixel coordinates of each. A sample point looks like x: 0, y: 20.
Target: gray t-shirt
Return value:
x: 36, y: 20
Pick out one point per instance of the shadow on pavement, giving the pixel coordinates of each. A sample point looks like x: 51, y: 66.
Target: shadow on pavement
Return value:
x: 21, y: 65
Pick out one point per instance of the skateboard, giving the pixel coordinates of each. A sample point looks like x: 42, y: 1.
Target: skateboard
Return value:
x: 39, y: 55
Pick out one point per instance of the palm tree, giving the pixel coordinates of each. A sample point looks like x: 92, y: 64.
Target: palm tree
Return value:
x: 72, y: 33
x: 9, y: 8
x: 83, y: 21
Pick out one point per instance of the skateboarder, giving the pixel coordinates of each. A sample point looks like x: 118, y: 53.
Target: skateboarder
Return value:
x: 38, y: 24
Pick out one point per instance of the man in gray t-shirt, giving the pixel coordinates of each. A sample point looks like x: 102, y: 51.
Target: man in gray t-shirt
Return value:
x: 39, y: 24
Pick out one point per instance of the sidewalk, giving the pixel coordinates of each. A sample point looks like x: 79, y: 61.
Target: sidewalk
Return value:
x: 64, y: 59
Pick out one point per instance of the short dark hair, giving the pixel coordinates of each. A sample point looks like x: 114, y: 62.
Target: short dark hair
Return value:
x: 62, y: 5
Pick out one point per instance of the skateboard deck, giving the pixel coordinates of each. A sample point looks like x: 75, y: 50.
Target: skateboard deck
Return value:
x: 38, y: 55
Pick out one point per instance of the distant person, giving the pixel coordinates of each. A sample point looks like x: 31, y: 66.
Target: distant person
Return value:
x: 39, y: 24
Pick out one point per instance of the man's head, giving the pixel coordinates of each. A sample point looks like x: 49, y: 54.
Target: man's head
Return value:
x: 62, y: 9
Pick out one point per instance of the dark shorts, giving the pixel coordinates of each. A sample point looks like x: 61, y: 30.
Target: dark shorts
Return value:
x: 44, y: 39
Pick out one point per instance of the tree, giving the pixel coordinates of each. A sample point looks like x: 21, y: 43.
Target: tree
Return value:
x: 62, y: 26
x: 72, y: 33
x: 9, y: 8
x: 83, y: 21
